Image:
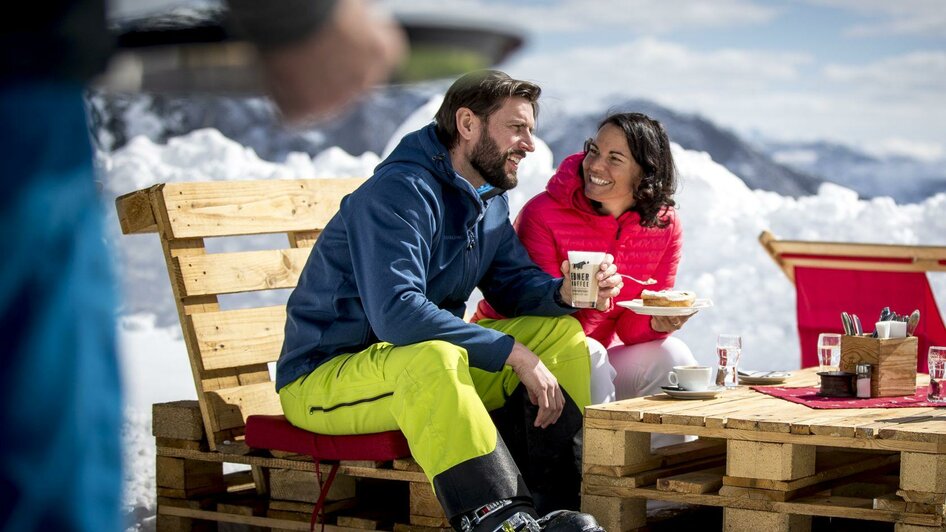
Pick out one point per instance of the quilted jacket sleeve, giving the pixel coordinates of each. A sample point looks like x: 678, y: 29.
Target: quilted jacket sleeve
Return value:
x: 634, y: 328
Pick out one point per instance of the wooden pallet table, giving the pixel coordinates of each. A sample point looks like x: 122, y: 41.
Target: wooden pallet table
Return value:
x: 769, y: 463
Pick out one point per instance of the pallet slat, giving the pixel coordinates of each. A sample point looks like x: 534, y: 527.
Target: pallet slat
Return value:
x: 246, y: 271
x: 821, y: 505
x: 235, y: 338
x: 271, y: 522
x: 229, y: 208
x: 300, y: 465
x: 231, y: 406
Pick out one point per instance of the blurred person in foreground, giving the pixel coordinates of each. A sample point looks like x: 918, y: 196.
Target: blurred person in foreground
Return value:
x: 61, y: 404
x: 616, y: 196
x: 375, y: 337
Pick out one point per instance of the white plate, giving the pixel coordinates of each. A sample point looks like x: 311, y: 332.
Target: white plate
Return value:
x: 637, y: 305
x: 763, y: 377
x: 710, y: 393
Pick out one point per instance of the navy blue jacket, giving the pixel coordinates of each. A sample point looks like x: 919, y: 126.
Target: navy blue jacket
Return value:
x: 399, y: 260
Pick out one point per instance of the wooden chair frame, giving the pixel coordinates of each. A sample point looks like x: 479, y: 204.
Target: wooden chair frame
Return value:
x: 229, y: 350
x: 788, y: 254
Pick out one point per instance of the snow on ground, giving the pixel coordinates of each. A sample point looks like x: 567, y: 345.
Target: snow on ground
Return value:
x: 722, y: 260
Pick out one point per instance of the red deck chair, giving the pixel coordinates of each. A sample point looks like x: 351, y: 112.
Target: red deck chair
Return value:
x: 831, y: 277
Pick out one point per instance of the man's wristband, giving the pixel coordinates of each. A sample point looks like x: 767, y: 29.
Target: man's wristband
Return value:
x: 557, y: 297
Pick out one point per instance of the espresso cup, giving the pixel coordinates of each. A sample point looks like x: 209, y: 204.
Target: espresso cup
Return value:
x: 691, y: 378
x: 583, y: 267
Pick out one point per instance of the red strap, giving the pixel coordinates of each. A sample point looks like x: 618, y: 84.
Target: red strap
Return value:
x: 322, y: 494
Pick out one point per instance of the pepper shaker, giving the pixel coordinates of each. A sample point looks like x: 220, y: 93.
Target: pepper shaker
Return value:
x: 863, y: 380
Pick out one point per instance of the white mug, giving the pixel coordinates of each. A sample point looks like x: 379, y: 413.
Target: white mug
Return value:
x: 691, y: 378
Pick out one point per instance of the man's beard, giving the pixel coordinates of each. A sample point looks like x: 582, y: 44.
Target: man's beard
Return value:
x: 491, y: 164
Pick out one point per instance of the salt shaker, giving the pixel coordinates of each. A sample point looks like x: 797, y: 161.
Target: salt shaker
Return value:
x: 863, y: 380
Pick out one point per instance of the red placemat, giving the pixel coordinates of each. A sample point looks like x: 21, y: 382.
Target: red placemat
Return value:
x: 810, y: 398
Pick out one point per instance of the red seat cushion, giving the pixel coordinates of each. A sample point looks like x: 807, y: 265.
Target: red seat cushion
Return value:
x: 274, y: 432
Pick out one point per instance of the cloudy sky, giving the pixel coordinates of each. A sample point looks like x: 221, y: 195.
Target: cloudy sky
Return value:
x: 868, y: 73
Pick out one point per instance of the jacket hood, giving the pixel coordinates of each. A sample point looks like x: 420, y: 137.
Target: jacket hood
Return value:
x: 423, y: 148
x: 566, y: 185
x: 567, y: 188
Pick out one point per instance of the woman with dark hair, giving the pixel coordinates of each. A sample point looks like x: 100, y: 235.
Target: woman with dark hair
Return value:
x: 616, y: 196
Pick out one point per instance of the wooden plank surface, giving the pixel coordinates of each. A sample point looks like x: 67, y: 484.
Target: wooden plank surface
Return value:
x: 830, y: 464
x: 719, y: 409
x: 845, y: 507
x: 234, y: 338
x: 873, y: 266
x: 775, y: 437
x: 299, y: 465
x: 849, y: 249
x: 232, y: 406
x: 134, y: 212
x: 274, y: 523
x: 705, y: 481
x: 685, y: 453
x: 245, y: 271
x: 744, y: 409
x: 773, y: 461
x: 227, y: 208
x: 772, y: 413
x: 647, y: 478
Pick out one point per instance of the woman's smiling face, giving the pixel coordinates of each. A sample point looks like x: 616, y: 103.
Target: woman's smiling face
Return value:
x: 611, y: 173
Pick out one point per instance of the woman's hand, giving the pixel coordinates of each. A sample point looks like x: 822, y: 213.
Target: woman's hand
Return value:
x: 668, y: 324
x: 610, y: 283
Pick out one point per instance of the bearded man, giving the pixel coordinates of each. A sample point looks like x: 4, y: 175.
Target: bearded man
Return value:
x: 376, y: 341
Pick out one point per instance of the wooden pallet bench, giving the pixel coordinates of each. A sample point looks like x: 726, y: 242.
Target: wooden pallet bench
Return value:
x: 770, y: 464
x: 230, y: 352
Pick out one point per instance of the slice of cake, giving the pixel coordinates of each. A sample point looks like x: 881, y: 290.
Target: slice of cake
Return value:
x: 668, y: 298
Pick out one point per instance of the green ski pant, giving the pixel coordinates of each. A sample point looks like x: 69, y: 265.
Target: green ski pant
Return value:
x: 429, y: 391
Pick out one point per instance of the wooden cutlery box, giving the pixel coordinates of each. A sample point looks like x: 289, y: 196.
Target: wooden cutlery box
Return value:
x: 892, y: 360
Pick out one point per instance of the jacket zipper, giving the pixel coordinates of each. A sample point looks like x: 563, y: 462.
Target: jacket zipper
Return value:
x: 469, y: 259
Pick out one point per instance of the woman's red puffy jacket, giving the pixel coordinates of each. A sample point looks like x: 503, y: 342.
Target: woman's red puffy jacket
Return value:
x: 562, y: 219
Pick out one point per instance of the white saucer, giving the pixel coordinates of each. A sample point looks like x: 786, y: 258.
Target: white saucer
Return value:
x: 637, y: 305
x: 763, y: 377
x: 710, y: 393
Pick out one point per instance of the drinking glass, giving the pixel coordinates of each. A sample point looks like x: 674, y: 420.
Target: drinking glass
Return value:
x: 937, y: 363
x: 829, y: 352
x: 728, y: 349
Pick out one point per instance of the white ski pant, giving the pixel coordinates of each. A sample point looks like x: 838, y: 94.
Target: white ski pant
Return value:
x: 627, y: 371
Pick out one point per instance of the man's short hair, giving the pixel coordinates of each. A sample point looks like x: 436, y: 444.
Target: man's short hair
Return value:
x: 483, y: 92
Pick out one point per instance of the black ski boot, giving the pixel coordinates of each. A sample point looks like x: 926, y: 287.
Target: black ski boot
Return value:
x: 569, y: 521
x: 519, y: 516
x: 499, y: 516
x: 549, y: 458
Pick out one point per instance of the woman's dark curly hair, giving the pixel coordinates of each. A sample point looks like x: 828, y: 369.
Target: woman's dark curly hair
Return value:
x: 650, y: 147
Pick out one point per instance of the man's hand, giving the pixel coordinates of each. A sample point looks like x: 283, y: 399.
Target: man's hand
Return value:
x: 609, y: 283
x: 355, y: 50
x: 542, y: 386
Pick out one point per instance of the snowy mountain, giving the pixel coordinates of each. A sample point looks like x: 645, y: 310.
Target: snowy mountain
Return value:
x: 903, y: 178
x: 252, y: 122
x: 566, y: 134
x: 367, y: 127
